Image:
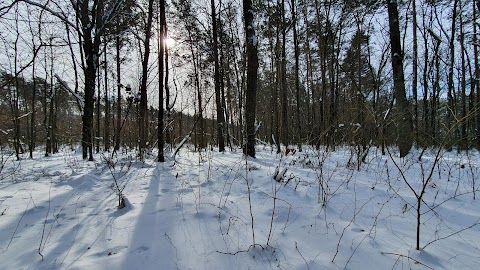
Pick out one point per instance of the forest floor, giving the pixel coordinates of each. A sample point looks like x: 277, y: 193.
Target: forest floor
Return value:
x: 215, y: 210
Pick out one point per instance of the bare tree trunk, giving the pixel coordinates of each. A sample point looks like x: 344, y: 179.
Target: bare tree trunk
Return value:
x: 322, y: 65
x: 252, y: 69
x: 435, y: 94
x: 426, y: 105
x: 477, y: 70
x: 284, y: 125
x: 106, y: 127
x: 297, y: 79
x: 91, y: 44
x: 310, y: 87
x: 463, y: 82
x: 50, y: 135
x: 98, y: 128
x: 16, y: 124
x: 278, y: 85
x: 201, y: 128
x: 450, y: 100
x: 169, y: 128
x: 161, y: 51
x: 33, y: 129
x: 218, y: 101
x: 142, y: 125
x: 119, y: 96
x: 404, y: 124
x: 415, y: 72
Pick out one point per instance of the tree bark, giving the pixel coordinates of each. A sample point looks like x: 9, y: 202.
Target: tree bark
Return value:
x: 142, y: 120
x: 404, y: 124
x: 477, y: 70
x: 297, y: 79
x: 285, y: 127
x: 161, y: 51
x: 450, y: 83
x: 218, y: 101
x: 415, y: 71
x: 119, y: 96
x: 252, y: 69
x: 106, y: 127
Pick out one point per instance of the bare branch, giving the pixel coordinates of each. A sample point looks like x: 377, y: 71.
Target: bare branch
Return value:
x: 51, y: 11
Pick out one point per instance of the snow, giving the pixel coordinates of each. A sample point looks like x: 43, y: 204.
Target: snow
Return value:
x: 193, y: 212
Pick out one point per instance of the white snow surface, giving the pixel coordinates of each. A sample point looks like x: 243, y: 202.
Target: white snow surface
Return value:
x: 194, y: 213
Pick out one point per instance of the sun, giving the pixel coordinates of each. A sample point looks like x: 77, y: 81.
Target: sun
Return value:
x: 170, y: 42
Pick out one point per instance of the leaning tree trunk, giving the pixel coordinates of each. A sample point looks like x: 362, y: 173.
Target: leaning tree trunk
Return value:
x: 404, y: 119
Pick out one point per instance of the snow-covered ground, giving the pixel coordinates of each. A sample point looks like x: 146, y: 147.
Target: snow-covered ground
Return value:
x: 198, y: 211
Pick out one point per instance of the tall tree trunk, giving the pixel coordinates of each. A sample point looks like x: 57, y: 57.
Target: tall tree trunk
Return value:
x: 435, y: 94
x: 119, y: 96
x: 463, y: 82
x: 106, y: 127
x: 51, y: 96
x: 87, y: 118
x: 477, y: 71
x: 239, y: 86
x: 297, y: 78
x: 98, y: 128
x: 91, y: 45
x: 252, y: 69
x: 34, y: 100
x: 218, y: 101
x: 142, y: 125
x: 404, y: 124
x: 322, y: 54
x: 415, y: 71
x: 45, y: 100
x: 272, y: 79
x: 169, y: 128
x: 16, y: 94
x: 200, y: 137
x: 160, y: 137
x: 278, y: 84
x: 285, y: 127
x: 450, y: 83
x: 310, y: 87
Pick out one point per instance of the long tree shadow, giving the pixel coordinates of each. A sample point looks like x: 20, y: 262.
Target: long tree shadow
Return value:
x: 150, y: 246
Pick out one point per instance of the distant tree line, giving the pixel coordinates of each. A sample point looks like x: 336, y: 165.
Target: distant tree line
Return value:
x: 294, y: 72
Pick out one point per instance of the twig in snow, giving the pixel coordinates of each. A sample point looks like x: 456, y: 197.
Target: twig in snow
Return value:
x: 350, y: 223
x: 249, y: 199
x: 240, y: 251
x: 454, y: 233
x: 176, y: 250
x: 296, y: 247
x: 273, y: 212
x: 40, y: 248
x: 18, y: 224
x: 408, y: 257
